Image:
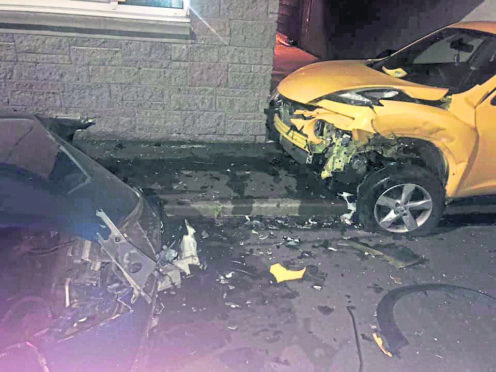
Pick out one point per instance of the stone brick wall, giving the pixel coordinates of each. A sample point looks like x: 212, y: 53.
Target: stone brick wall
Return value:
x: 210, y: 88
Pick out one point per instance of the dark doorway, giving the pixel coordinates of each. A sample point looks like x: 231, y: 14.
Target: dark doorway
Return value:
x: 288, y: 21
x: 357, y: 29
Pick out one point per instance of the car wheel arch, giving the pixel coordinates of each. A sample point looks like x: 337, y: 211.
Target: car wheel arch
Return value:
x: 426, y: 154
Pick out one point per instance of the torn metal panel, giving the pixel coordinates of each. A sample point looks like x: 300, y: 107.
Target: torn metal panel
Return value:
x: 140, y: 270
x: 135, y: 265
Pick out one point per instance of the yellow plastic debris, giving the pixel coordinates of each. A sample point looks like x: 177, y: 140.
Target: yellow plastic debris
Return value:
x: 380, y: 343
x: 282, y: 274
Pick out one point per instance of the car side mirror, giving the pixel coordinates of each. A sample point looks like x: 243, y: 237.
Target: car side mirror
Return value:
x: 385, y: 53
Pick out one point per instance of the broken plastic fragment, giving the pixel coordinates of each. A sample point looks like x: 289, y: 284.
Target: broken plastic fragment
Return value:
x: 282, y: 274
x: 348, y: 217
x: 171, y: 255
x: 188, y: 255
x: 380, y: 343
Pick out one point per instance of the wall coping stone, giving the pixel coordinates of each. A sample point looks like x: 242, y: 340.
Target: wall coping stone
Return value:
x: 92, y: 26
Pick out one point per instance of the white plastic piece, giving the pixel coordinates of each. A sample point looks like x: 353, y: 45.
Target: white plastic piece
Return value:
x: 189, y: 254
x: 347, y: 217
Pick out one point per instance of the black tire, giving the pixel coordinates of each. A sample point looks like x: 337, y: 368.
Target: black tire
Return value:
x: 381, y: 186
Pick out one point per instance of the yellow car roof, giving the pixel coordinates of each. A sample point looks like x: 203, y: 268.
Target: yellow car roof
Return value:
x: 485, y: 26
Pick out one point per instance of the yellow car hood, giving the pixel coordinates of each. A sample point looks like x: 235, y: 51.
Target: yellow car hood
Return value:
x: 319, y: 79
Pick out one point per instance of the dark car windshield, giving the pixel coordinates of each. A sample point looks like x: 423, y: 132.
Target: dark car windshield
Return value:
x: 452, y: 58
x: 45, y: 178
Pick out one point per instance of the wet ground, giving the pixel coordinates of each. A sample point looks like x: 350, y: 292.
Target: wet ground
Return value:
x: 194, y: 174
x: 234, y: 316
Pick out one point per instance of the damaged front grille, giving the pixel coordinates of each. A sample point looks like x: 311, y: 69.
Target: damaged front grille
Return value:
x: 286, y: 109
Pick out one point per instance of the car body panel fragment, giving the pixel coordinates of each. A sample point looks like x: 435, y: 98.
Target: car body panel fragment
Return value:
x: 136, y: 267
x: 390, y: 331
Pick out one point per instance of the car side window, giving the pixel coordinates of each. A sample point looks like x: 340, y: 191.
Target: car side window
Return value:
x: 25, y: 144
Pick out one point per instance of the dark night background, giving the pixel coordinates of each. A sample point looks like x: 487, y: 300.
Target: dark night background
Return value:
x: 344, y: 29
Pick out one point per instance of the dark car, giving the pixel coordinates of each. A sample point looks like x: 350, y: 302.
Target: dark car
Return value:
x: 84, y: 254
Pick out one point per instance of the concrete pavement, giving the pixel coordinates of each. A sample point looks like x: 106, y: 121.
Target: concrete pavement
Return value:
x: 235, y: 317
x: 224, y: 179
x: 220, y: 179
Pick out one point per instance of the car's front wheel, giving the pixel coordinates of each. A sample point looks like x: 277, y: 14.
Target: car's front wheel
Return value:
x: 401, y: 200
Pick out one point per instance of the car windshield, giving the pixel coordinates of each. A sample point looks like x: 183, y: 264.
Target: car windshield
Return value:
x: 452, y: 58
x: 26, y: 145
x: 45, y: 179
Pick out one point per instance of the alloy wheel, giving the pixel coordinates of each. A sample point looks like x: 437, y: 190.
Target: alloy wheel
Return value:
x: 403, y: 208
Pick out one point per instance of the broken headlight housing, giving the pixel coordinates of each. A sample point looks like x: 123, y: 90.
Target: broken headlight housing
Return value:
x: 363, y: 97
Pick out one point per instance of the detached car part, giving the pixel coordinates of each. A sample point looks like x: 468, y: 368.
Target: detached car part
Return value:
x: 390, y: 331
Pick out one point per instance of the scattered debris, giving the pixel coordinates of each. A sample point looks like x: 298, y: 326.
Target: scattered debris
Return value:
x: 316, y: 276
x: 284, y: 40
x: 305, y: 254
x: 398, y: 256
x: 366, y: 337
x: 272, y: 339
x: 189, y: 255
x: 378, y: 340
x: 325, y: 310
x: 385, y: 316
x: 376, y: 288
x: 309, y: 224
x: 260, y: 236
x: 282, y: 274
x: 348, y: 217
x: 232, y: 305
x: 290, y: 242
x: 396, y: 279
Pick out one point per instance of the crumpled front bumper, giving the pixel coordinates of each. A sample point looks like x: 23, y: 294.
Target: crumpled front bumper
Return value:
x: 293, y: 142
x: 290, y: 134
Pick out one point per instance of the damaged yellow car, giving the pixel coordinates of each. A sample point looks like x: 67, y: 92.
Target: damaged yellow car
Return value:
x: 406, y: 133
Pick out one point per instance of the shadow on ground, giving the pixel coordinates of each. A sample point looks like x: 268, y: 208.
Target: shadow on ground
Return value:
x: 232, y: 316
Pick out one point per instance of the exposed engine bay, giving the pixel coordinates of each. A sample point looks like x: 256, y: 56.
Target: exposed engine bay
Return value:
x: 59, y: 285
